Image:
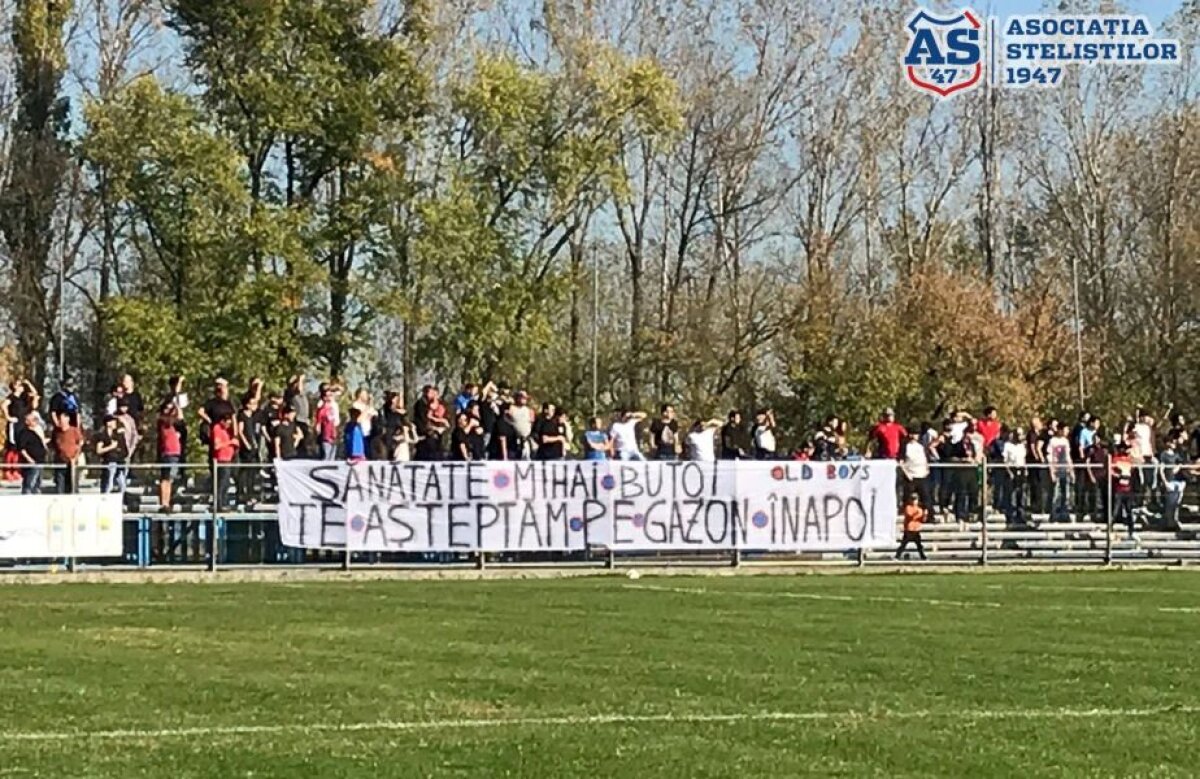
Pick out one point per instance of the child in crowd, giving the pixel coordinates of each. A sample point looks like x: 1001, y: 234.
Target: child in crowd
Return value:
x: 914, y: 517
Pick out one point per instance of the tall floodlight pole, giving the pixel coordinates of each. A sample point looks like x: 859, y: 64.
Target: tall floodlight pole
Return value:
x: 595, y: 333
x: 62, y: 330
x: 1078, y: 326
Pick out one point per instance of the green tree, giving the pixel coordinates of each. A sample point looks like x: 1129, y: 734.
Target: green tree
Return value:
x: 309, y: 93
x: 38, y: 161
x: 192, y: 304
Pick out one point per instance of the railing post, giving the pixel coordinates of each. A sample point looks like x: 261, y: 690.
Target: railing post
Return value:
x: 983, y: 515
x: 1108, y: 511
x: 736, y: 560
x: 480, y: 560
x: 612, y: 559
x: 212, y: 531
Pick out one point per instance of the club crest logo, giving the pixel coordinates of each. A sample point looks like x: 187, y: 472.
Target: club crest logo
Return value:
x: 944, y: 54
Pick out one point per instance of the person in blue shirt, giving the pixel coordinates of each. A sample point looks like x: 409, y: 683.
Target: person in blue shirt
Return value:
x: 353, y: 439
x: 599, y: 447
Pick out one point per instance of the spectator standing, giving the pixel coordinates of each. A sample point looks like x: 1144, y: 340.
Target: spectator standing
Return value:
x: 177, y: 394
x: 1094, y: 481
x: 468, y: 395
x: 1081, y: 437
x: 366, y: 412
x: 1039, y: 476
x: 702, y: 441
x: 432, y: 425
x: 1014, y: 456
x: 489, y: 412
x: 460, y: 445
x: 295, y: 397
x: 914, y: 518
x: 939, y: 485
x: 1147, y: 475
x: 393, y: 414
x: 914, y: 466
x: 14, y: 408
x: 762, y: 435
x: 133, y: 398
x: 133, y: 437
x: 826, y: 441
x: 963, y: 480
x: 989, y: 427
x: 354, y: 439
x: 624, y: 434
x: 887, y: 437
x: 551, y: 434
x: 224, y: 451
x: 216, y: 409
x: 287, y: 437
x: 31, y: 446
x: 250, y: 437
x: 115, y: 395
x: 476, y: 445
x: 170, y: 439
x: 1058, y: 452
x: 664, y: 433
x: 1121, y: 473
x: 400, y: 442
x: 67, y: 442
x: 504, y: 443
x: 404, y: 438
x: 110, y: 446
x: 597, y: 445
x: 328, y: 420
x: 543, y: 428
x: 735, y: 441
x: 521, y: 416
x: 65, y: 403
x: 1172, y: 482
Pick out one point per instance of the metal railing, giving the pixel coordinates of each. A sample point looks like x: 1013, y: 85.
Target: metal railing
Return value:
x: 223, y: 515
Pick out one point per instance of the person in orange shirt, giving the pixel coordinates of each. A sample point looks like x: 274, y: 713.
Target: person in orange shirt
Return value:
x: 914, y: 517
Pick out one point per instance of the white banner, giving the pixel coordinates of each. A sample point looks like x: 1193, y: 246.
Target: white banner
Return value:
x: 570, y: 505
x: 35, y: 526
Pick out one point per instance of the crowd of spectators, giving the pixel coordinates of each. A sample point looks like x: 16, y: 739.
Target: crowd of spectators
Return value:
x: 1045, y: 467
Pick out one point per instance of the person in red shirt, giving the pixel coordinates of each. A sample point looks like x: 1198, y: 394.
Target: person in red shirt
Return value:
x: 989, y: 427
x: 1122, y: 486
x: 225, y: 449
x: 887, y: 436
x: 170, y: 451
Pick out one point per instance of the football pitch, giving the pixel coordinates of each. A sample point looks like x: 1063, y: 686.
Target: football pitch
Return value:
x: 1015, y: 674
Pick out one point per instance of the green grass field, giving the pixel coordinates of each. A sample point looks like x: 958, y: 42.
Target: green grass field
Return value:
x: 1073, y: 674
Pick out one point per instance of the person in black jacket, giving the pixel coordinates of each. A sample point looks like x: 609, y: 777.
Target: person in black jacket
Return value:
x: 735, y: 439
x: 32, y: 449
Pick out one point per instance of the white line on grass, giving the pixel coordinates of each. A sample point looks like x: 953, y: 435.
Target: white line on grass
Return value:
x: 1179, y: 609
x: 960, y: 715
x: 969, y: 604
x: 1076, y: 588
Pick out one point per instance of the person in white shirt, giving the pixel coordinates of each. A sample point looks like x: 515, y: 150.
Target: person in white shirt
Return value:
x: 958, y: 426
x: 702, y: 441
x: 624, y: 435
x: 1058, y: 453
x: 1143, y: 431
x: 914, y: 466
x: 763, y: 435
x: 1010, y: 480
x: 366, y: 411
